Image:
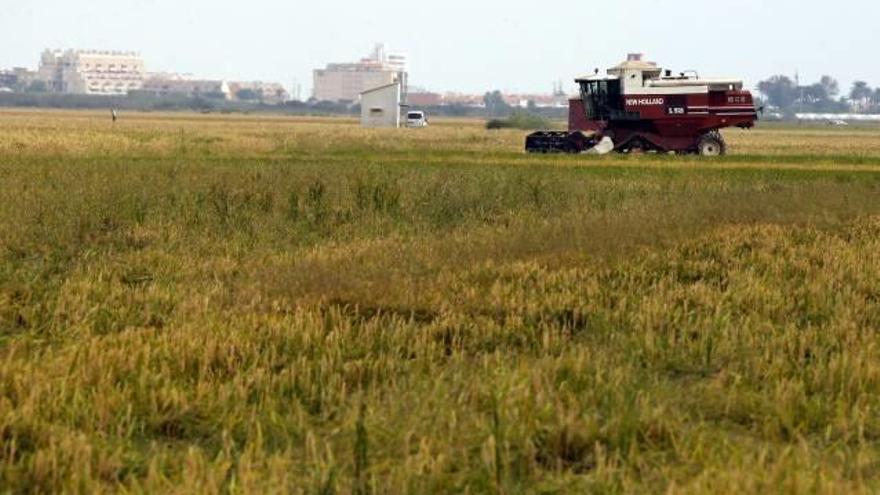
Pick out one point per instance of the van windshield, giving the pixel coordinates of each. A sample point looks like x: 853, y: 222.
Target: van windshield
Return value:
x: 414, y: 116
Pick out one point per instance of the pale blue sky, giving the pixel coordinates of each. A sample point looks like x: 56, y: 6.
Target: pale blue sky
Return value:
x: 475, y: 45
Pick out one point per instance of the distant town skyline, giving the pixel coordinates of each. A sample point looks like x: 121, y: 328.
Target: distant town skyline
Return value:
x: 456, y: 45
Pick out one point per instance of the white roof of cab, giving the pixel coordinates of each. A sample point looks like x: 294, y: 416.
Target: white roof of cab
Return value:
x: 635, y: 65
x: 676, y: 82
x: 596, y: 77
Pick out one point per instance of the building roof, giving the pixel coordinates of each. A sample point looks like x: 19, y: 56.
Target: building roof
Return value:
x: 384, y: 86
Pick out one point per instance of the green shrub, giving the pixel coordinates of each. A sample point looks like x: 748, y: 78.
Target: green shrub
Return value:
x: 520, y: 120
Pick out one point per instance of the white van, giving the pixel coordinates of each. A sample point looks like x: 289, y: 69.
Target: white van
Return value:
x: 416, y: 119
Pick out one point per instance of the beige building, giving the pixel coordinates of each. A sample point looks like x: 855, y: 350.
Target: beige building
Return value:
x: 346, y: 81
x: 172, y: 84
x: 91, y: 72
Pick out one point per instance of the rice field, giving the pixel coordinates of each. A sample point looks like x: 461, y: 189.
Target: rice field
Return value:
x: 246, y: 304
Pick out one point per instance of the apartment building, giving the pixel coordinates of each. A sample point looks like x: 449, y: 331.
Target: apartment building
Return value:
x: 91, y: 71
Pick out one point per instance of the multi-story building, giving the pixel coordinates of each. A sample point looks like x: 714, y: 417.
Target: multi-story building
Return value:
x: 173, y: 84
x: 8, y: 79
x: 16, y: 79
x: 24, y: 75
x: 91, y: 72
x: 346, y: 81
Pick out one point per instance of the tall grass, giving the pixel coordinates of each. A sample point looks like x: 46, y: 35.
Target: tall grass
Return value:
x: 207, y: 305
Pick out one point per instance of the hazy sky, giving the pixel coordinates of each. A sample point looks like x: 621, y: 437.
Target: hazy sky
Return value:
x: 463, y: 45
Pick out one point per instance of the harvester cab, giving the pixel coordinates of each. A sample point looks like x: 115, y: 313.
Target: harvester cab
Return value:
x: 601, y: 97
x: 638, y: 107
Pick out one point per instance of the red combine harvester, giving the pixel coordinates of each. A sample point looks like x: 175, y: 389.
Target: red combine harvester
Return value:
x: 638, y: 107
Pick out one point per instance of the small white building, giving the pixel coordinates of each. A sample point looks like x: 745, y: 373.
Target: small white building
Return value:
x: 380, y: 107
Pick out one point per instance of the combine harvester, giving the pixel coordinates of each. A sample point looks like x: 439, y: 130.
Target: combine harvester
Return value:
x: 638, y: 107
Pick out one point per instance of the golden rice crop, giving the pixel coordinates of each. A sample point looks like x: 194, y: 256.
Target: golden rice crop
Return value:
x: 214, y: 304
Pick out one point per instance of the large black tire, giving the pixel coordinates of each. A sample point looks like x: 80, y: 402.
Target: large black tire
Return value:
x: 711, y: 144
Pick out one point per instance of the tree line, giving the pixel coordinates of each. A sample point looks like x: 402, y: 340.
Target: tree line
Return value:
x: 824, y: 96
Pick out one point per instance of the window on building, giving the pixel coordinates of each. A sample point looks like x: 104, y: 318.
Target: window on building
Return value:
x: 376, y: 112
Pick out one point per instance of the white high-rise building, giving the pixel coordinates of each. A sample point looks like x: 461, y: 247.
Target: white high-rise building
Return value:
x: 91, y: 72
x: 346, y: 81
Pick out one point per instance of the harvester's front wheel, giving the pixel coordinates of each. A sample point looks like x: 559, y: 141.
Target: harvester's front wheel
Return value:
x: 712, y: 144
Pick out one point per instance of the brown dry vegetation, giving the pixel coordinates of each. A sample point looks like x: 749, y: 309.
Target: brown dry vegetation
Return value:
x: 206, y: 304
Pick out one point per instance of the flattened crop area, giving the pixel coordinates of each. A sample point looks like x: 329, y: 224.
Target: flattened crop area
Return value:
x: 207, y: 304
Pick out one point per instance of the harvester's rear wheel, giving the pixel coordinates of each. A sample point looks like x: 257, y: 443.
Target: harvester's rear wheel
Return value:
x: 712, y: 144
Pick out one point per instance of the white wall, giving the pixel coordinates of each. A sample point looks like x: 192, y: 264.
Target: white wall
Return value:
x: 381, y: 107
